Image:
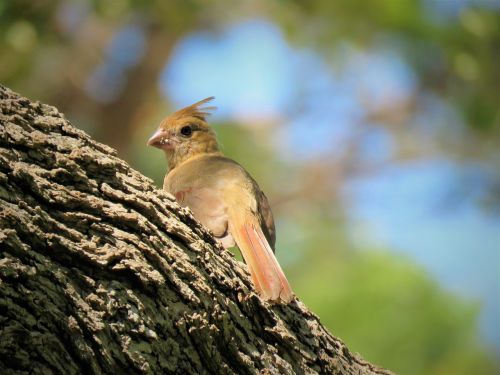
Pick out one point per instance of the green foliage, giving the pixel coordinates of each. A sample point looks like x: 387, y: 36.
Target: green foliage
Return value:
x: 466, y: 46
x: 392, y: 312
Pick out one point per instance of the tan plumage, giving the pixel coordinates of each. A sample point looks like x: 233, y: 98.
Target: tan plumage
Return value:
x: 221, y: 194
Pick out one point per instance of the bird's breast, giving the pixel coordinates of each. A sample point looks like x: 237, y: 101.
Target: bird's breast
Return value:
x: 205, y: 200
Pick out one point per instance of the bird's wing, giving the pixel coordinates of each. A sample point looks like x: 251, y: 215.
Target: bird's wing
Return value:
x: 251, y: 224
x: 265, y: 217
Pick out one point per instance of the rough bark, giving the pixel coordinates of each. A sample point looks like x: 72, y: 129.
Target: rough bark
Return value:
x: 101, y: 272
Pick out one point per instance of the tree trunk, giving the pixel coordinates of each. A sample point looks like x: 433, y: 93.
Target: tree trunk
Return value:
x: 100, y: 272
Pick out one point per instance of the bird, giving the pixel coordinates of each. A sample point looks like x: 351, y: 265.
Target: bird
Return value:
x: 221, y: 195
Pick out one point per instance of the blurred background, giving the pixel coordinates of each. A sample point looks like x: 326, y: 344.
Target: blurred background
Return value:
x: 373, y: 127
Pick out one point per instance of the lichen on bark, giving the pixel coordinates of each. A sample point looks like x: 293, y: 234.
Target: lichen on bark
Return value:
x: 102, y: 273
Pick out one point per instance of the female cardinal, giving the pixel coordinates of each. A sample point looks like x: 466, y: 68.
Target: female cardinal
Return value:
x: 221, y: 194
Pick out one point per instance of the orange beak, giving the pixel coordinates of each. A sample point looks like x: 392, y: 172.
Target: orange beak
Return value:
x: 161, y: 139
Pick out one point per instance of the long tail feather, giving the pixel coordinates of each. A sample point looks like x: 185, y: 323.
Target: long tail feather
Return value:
x: 267, y: 275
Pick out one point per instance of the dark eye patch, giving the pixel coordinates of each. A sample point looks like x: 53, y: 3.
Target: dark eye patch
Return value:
x: 187, y: 131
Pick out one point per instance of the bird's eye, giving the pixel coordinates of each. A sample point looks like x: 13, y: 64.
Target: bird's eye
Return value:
x: 186, y: 131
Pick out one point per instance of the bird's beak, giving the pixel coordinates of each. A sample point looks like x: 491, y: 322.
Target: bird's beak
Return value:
x: 160, y: 139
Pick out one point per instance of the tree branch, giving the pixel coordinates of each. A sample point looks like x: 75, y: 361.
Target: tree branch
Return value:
x: 100, y: 272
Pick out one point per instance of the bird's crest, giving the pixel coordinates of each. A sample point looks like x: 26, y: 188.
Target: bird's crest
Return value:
x: 196, y: 110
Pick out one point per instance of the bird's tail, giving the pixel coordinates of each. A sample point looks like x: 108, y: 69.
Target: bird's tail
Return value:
x: 267, y: 275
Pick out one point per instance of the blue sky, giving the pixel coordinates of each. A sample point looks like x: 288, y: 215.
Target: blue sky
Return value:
x: 252, y: 70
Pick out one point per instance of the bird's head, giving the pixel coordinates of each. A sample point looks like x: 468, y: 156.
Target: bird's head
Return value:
x: 186, y: 133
